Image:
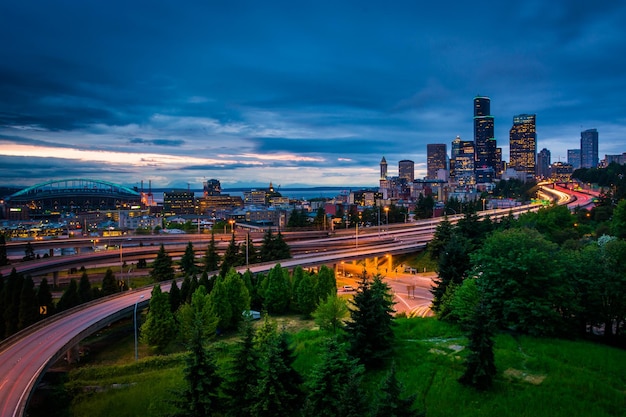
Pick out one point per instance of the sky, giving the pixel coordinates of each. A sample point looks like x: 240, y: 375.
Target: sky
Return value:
x: 297, y: 93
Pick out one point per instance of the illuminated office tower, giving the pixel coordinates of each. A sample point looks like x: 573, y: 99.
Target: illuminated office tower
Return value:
x: 523, y: 144
x: 589, y: 148
x: 543, y: 163
x: 436, y: 159
x: 573, y: 158
x: 484, y: 140
x: 462, y: 162
x: 406, y: 169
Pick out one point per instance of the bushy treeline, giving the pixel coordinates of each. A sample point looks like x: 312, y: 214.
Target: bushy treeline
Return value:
x: 543, y: 274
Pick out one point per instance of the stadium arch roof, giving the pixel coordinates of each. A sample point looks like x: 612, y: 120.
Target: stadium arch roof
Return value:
x: 74, y: 186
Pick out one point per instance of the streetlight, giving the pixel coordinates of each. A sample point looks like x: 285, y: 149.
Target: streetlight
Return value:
x: 135, y: 319
x: 387, y: 214
x: 232, y: 225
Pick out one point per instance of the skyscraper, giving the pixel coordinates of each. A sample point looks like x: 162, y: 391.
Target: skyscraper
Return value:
x: 436, y: 159
x: 484, y: 140
x: 406, y: 169
x: 383, y: 169
x: 543, y: 163
x: 523, y: 144
x: 573, y: 158
x: 462, y: 161
x: 589, y: 148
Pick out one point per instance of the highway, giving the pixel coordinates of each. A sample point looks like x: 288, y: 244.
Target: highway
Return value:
x: 24, y: 357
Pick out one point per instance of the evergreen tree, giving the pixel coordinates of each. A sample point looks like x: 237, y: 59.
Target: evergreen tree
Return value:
x: 197, y: 313
x: 370, y: 330
x: 266, y: 253
x: 109, y: 283
x: 424, y: 207
x: 29, y: 252
x: 188, y: 260
x: 276, y: 292
x: 162, y: 269
x: 185, y: 290
x: 44, y: 298
x: 480, y: 367
x: 29, y: 309
x: 443, y: 233
x: 211, y: 258
x: 159, y: 329
x: 282, y: 248
x: 201, y: 396
x: 305, y: 296
x: 278, y: 391
x: 174, y: 296
x: 326, y: 284
x: 231, y: 256
x: 390, y: 401
x: 70, y: 297
x: 13, y: 292
x: 220, y: 304
x: 85, y: 293
x: 453, y: 265
x: 329, y: 381
x: 2, y: 306
x: 238, y: 297
x: 241, y: 374
x: 4, y: 260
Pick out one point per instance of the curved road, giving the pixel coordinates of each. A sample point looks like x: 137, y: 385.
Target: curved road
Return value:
x: 24, y: 357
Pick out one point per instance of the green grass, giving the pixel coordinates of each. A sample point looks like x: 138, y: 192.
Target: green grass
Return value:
x: 536, y: 377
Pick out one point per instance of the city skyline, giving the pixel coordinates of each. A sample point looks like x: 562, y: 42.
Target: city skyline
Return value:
x: 297, y: 95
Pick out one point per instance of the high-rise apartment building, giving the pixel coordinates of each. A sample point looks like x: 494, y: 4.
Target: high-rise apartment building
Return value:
x: 523, y: 144
x: 589, y: 148
x: 543, y: 163
x: 436, y: 159
x: 484, y: 140
x: 212, y: 187
x: 406, y: 170
x: 573, y: 158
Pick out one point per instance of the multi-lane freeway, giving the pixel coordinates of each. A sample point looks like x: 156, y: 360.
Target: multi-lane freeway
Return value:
x: 25, y: 356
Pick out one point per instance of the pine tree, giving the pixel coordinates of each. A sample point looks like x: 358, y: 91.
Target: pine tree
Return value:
x: 331, y: 313
x: 220, y: 304
x: 198, y: 312
x: 13, y: 291
x: 201, y: 396
x: 174, y: 297
x: 329, y: 381
x: 70, y: 297
x: 281, y: 247
x: 29, y: 252
x: 29, y: 309
x: 85, y: 293
x: 159, y: 329
x: 211, y: 258
x: 266, y: 253
x: 453, y: 265
x: 241, y: 374
x: 276, y: 293
x: 391, y: 402
x: 162, y: 269
x: 480, y: 365
x: 2, y: 306
x: 109, y: 283
x: 44, y: 298
x: 231, y: 256
x: 188, y: 260
x: 185, y: 290
x: 305, y: 296
x: 370, y: 331
x: 4, y: 260
x: 326, y: 283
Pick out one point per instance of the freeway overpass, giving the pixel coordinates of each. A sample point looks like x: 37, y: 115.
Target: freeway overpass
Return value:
x: 25, y: 356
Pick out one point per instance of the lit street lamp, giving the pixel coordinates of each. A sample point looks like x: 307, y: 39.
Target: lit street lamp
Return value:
x: 135, y: 320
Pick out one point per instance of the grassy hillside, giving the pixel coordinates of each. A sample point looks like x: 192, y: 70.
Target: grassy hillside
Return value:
x: 536, y: 377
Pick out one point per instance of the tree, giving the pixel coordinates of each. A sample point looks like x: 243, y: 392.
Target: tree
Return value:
x: 241, y: 374
x: 85, y: 293
x: 29, y: 252
x: 618, y: 222
x: 159, y: 329
x: 453, y: 265
x: 44, y: 299
x: 440, y: 239
x: 197, y: 313
x: 201, y: 396
x: 274, y: 248
x: 188, y: 260
x: 329, y: 381
x: 29, y: 308
x: 278, y: 391
x: 12, y: 293
x: 320, y: 219
x: 4, y: 260
x: 331, y: 313
x: 520, y: 275
x: 480, y: 367
x: 424, y: 207
x: 231, y: 256
x: 109, y: 283
x: 211, y: 258
x: 276, y: 294
x: 391, y: 402
x: 162, y: 269
x: 370, y: 331
x: 305, y: 296
x: 70, y: 297
x: 174, y: 296
x: 326, y: 284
